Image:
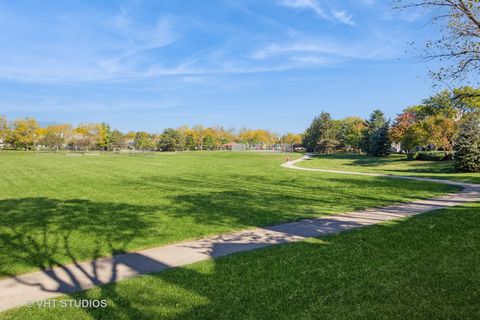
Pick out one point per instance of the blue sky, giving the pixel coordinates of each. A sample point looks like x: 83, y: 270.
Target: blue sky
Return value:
x: 147, y: 65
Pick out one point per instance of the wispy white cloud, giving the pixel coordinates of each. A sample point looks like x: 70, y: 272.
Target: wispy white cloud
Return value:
x: 343, y: 17
x: 309, y: 60
x: 305, y: 4
x: 141, y: 36
x: 315, y: 6
x: 359, y: 50
x: 139, y: 39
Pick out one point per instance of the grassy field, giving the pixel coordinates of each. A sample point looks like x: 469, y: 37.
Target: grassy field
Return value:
x: 56, y: 209
x: 425, y: 267
x: 394, y: 164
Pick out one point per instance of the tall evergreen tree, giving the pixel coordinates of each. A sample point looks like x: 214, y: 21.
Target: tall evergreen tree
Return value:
x: 467, y: 145
x: 375, y: 140
x: 321, y: 128
x: 380, y: 144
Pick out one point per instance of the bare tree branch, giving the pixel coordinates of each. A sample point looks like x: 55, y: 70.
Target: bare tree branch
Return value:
x: 458, y: 46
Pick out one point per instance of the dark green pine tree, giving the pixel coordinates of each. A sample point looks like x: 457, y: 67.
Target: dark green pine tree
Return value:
x: 375, y: 141
x: 467, y: 145
x: 380, y: 144
x: 310, y: 135
x: 318, y: 129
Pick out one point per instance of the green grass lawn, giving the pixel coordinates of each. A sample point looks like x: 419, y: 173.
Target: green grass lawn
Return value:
x: 425, y: 267
x: 56, y: 209
x: 394, y: 164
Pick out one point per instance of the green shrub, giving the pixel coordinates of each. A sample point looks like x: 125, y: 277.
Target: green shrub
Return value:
x: 428, y: 156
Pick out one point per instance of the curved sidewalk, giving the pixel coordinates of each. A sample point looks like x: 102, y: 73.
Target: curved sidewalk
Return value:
x: 19, y: 290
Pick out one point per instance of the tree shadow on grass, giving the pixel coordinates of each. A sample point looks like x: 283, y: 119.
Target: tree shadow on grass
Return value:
x: 41, y: 233
x: 56, y: 235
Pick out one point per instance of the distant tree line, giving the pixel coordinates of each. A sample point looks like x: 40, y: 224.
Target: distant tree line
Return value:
x: 27, y: 134
x: 447, y: 121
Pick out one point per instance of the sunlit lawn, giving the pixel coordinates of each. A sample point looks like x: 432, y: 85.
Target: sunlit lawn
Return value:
x: 56, y: 209
x: 425, y: 267
x: 394, y: 164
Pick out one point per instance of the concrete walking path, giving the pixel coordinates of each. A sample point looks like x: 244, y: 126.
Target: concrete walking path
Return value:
x: 19, y: 290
